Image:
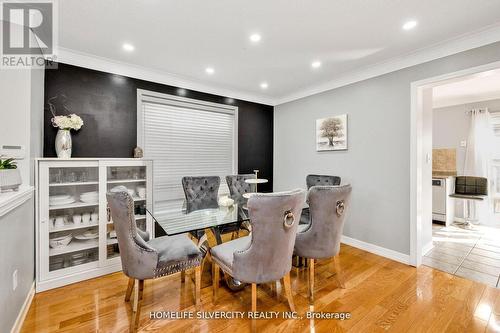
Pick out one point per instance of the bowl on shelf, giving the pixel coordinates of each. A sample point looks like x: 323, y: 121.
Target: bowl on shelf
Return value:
x: 60, y: 242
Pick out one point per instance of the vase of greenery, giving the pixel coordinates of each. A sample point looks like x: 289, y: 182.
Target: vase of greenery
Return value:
x: 10, y: 178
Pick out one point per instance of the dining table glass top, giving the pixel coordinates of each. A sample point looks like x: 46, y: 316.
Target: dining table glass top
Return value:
x: 184, y: 220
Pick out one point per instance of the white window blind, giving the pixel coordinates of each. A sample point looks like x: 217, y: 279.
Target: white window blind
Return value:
x: 185, y: 137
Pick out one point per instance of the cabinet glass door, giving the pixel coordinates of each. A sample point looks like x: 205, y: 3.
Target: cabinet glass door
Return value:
x: 73, y: 216
x: 134, y: 179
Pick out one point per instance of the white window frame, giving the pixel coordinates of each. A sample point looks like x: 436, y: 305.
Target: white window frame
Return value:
x: 161, y: 98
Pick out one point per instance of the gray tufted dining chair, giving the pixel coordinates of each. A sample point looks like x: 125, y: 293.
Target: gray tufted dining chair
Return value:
x: 201, y: 192
x: 315, y: 180
x: 266, y: 254
x: 237, y: 187
x: 321, y: 237
x: 142, y: 260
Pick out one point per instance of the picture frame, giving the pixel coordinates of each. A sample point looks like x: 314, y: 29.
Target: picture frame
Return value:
x: 331, y: 133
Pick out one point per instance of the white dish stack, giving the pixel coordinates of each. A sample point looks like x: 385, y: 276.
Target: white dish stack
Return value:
x: 90, y: 197
x: 59, y: 200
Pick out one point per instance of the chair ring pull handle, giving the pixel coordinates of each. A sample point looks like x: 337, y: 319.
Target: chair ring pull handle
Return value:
x: 288, y: 219
x: 340, y: 208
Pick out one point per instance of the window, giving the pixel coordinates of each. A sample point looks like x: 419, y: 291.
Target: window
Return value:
x: 185, y: 137
x: 495, y: 122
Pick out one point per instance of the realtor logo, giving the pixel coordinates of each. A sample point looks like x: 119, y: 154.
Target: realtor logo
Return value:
x: 28, y: 33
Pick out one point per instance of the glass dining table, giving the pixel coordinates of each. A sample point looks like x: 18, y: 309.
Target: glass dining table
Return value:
x: 197, y: 222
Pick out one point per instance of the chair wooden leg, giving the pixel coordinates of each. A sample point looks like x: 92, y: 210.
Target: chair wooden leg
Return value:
x: 136, y: 309
x: 311, y: 280
x: 254, y: 297
x: 183, y: 276
x: 215, y: 281
x: 204, y: 260
x: 130, y: 288
x: 338, y: 272
x: 197, y: 286
x: 288, y: 291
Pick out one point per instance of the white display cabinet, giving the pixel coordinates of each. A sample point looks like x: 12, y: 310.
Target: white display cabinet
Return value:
x: 74, y: 231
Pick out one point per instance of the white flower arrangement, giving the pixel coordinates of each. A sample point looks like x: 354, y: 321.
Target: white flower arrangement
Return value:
x: 71, y: 122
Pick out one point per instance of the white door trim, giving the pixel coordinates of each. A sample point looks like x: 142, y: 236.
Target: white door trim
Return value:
x: 417, y: 153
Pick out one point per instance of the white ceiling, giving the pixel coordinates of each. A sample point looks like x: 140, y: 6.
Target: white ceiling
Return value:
x: 182, y: 38
x: 476, y: 88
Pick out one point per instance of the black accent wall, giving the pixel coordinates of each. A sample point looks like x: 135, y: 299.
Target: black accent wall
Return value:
x: 107, y: 104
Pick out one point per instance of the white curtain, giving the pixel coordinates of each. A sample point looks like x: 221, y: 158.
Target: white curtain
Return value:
x: 478, y: 156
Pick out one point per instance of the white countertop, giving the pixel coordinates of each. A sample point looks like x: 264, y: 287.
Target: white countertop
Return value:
x: 442, y: 177
x: 12, y: 199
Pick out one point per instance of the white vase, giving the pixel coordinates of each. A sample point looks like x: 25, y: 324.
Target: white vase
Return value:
x: 63, y: 143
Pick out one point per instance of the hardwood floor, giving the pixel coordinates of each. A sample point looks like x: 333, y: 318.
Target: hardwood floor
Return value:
x: 381, y: 295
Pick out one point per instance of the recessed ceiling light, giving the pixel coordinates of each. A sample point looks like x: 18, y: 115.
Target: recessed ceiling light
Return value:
x: 316, y: 64
x: 255, y: 38
x: 209, y: 70
x: 128, y: 47
x: 410, y: 25
x: 264, y: 85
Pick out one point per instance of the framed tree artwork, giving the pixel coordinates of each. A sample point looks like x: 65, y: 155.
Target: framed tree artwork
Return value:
x: 331, y: 133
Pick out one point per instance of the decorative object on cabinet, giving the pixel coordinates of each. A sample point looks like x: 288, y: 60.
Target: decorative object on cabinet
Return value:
x: 71, y: 208
x: 138, y: 152
x: 331, y: 133
x: 65, y: 123
x: 10, y: 177
x: 63, y: 138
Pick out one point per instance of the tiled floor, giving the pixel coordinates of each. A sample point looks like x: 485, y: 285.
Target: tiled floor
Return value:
x: 472, y: 254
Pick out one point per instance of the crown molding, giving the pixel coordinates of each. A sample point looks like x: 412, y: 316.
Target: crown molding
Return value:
x: 86, y: 60
x: 488, y: 35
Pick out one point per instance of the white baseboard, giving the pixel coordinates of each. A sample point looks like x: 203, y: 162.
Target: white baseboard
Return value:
x: 18, y: 324
x: 427, y: 248
x: 378, y: 250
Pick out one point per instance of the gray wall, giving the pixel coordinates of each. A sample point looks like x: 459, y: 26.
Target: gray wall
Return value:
x: 18, y: 243
x: 377, y: 162
x: 451, y: 125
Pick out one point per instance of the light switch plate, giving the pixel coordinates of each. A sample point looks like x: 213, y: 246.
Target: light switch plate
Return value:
x: 463, y: 143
